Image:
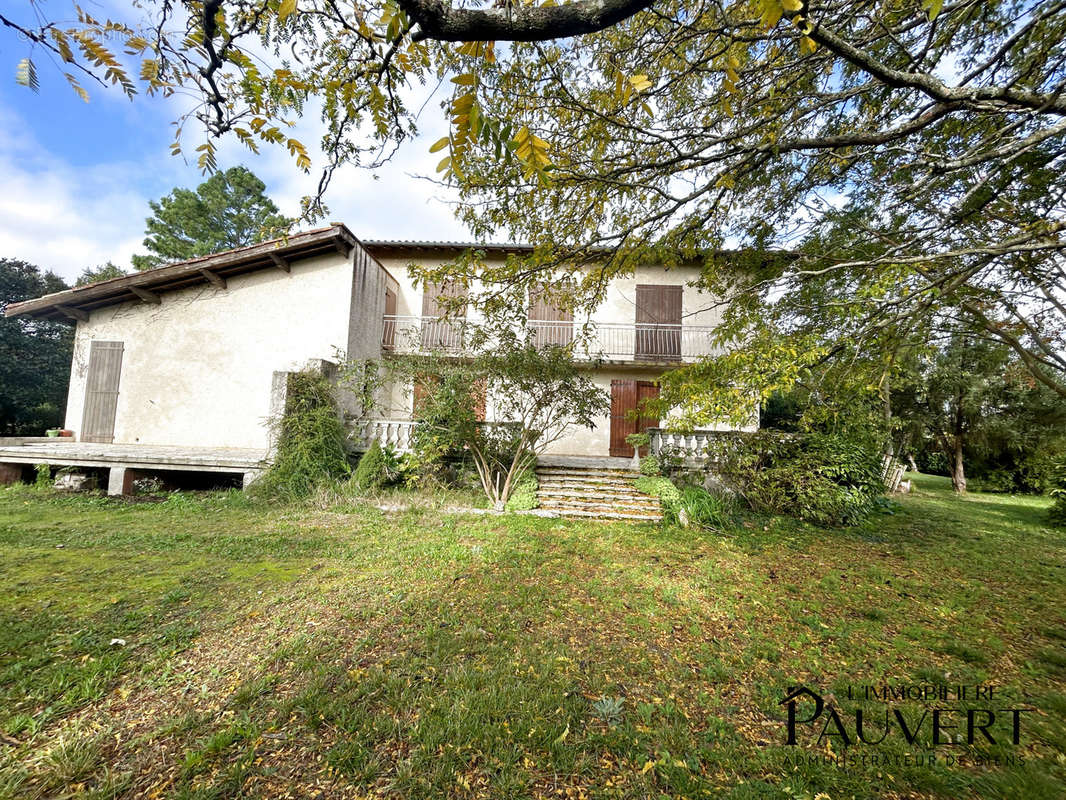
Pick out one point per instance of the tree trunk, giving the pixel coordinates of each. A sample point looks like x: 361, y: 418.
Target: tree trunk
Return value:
x: 958, y: 474
x: 910, y: 462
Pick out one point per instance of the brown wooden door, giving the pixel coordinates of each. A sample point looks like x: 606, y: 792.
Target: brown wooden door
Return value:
x: 101, y: 392
x: 438, y: 334
x: 626, y: 398
x: 658, y: 323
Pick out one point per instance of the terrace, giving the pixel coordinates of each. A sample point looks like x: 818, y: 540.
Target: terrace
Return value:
x: 649, y: 343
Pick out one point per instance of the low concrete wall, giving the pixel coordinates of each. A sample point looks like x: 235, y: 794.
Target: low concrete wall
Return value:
x: 15, y: 441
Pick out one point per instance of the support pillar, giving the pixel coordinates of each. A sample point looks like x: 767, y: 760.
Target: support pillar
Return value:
x: 120, y: 480
x: 250, y: 477
x: 10, y: 473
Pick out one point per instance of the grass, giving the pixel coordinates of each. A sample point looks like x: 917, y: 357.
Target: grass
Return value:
x: 342, y: 650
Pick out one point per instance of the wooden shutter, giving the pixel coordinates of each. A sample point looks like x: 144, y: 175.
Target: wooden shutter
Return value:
x: 421, y: 392
x: 623, y: 401
x: 627, y: 399
x: 101, y: 392
x: 658, y: 323
x: 646, y: 390
x: 389, y: 339
x: 424, y: 387
x: 480, y: 393
x: 438, y: 334
x: 560, y: 322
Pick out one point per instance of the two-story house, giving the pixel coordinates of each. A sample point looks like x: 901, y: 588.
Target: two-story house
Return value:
x: 647, y: 323
x: 183, y: 367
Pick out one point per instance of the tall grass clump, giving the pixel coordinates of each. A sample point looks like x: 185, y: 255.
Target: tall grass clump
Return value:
x: 310, y: 441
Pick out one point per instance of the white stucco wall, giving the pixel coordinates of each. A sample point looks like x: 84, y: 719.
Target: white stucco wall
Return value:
x: 618, y: 305
x: 197, y: 368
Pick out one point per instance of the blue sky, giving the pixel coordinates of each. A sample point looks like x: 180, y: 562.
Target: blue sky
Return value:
x: 76, y: 178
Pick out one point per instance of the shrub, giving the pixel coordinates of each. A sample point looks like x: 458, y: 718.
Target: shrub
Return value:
x: 524, y: 496
x: 1057, y: 512
x: 638, y: 440
x: 824, y: 478
x: 649, y: 465
x: 663, y: 488
x: 372, y: 470
x: 705, y: 509
x: 310, y: 441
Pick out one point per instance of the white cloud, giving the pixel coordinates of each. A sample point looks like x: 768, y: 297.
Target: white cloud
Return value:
x: 61, y: 217
x: 65, y: 217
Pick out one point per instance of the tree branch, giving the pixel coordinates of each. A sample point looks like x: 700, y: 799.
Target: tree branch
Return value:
x: 439, y: 20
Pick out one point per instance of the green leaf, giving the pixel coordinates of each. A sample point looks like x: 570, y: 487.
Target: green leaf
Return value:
x: 933, y: 8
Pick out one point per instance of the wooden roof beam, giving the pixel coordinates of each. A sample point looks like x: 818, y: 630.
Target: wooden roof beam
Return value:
x: 214, y: 278
x: 73, y: 313
x: 146, y: 295
x: 280, y: 262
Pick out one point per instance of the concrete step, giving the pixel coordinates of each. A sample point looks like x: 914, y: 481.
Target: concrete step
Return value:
x: 594, y: 493
x: 574, y: 499
x: 606, y: 513
x: 603, y: 500
x: 594, y: 497
x: 585, y: 473
x: 600, y: 514
x: 553, y: 480
x: 588, y: 489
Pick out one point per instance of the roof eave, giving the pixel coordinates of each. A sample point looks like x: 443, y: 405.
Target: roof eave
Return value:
x: 213, y: 269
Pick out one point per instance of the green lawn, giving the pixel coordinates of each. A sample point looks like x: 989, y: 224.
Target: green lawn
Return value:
x: 354, y: 653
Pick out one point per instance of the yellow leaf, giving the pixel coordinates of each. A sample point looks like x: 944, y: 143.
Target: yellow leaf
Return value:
x: 444, y: 163
x: 792, y: 5
x: 562, y: 736
x: 648, y: 767
x: 440, y: 144
x: 466, y: 79
x: 933, y: 7
x: 26, y: 75
x: 286, y: 8
x: 640, y: 82
x: 771, y: 13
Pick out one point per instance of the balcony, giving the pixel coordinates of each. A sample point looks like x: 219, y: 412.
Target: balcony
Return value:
x: 593, y: 341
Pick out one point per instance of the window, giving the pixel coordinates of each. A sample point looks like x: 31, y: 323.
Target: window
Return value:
x: 437, y: 302
x: 389, y: 338
x: 549, y: 323
x: 658, y: 336
x: 425, y: 385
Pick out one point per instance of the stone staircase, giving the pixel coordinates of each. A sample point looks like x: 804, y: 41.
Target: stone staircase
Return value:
x: 571, y: 491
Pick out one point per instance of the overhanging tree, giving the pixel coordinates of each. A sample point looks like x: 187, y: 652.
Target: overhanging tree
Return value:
x: 930, y: 132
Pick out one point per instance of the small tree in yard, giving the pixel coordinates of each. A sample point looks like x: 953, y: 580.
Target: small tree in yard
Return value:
x: 537, y: 393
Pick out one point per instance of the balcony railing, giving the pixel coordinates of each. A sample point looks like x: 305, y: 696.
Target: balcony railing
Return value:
x: 397, y: 433
x: 591, y: 341
x: 394, y: 433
